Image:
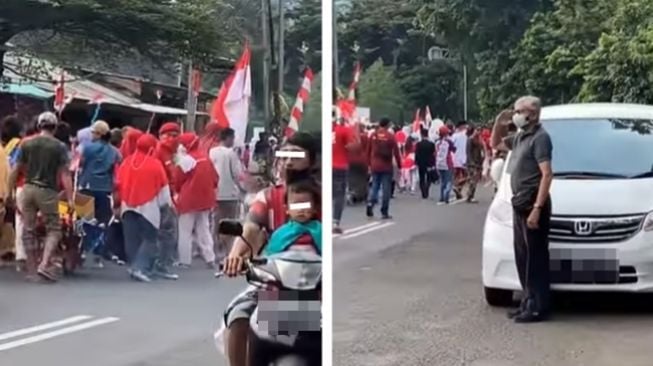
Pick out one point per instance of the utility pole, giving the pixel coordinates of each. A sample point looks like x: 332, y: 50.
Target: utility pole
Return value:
x: 336, y: 66
x: 282, y: 28
x: 266, y: 63
x: 191, y: 103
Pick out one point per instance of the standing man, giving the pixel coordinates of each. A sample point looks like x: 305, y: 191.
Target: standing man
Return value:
x: 344, y: 139
x: 425, y: 161
x: 98, y: 163
x: 459, y: 139
x: 444, y: 155
x: 381, y: 151
x: 475, y: 157
x: 227, y: 164
x: 530, y: 180
x: 44, y: 161
x: 168, y: 229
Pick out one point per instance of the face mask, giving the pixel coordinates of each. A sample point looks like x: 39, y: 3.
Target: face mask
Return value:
x: 519, y: 120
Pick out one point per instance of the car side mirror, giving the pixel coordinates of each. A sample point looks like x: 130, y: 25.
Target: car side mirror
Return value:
x: 230, y: 227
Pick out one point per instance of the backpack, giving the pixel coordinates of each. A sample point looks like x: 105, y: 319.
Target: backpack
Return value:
x: 383, y: 149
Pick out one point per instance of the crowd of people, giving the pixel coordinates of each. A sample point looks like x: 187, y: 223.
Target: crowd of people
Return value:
x: 377, y: 159
x: 156, y: 199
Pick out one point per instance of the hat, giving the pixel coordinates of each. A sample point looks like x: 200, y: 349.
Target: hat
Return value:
x: 444, y: 130
x: 100, y: 128
x: 47, y: 118
x: 169, y: 127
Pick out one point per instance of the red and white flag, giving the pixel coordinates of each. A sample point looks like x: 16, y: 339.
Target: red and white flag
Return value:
x: 427, y: 117
x: 354, y: 83
x: 417, y: 123
x: 60, y: 94
x: 97, y: 99
x: 302, y: 98
x: 231, y: 107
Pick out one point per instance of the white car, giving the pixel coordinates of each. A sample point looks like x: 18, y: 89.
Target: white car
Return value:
x: 601, y: 236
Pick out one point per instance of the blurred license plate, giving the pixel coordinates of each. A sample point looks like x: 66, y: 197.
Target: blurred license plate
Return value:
x: 584, y: 266
x: 289, y: 316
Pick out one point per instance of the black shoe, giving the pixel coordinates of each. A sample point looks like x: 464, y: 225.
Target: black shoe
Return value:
x: 386, y: 217
x: 529, y: 317
x: 515, y: 313
x: 369, y: 212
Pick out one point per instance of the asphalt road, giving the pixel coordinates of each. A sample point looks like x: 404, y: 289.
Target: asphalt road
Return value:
x: 410, y: 293
x: 101, y: 318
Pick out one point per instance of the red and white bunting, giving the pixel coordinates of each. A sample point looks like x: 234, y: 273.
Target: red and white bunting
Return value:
x: 417, y: 123
x: 302, y: 98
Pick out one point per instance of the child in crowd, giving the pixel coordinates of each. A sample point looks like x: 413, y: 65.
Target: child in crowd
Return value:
x: 303, y: 229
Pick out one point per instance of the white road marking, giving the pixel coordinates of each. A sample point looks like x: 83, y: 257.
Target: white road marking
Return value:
x: 357, y: 228
x: 41, y: 327
x: 57, y: 333
x: 369, y: 230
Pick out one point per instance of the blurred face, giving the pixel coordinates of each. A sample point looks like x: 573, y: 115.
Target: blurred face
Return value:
x: 298, y: 161
x: 524, y: 110
x: 301, y: 207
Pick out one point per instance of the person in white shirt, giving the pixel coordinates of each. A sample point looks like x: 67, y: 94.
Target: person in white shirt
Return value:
x: 459, y: 139
x: 229, y: 168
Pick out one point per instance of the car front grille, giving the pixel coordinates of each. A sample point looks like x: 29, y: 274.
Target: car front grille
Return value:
x: 594, y: 229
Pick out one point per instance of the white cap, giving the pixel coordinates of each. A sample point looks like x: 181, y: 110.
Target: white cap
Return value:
x: 47, y: 118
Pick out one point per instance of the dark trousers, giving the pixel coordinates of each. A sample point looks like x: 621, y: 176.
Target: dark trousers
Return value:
x: 140, y: 241
x: 532, y: 259
x: 93, y: 240
x: 381, y: 182
x: 339, y: 193
x: 424, y: 180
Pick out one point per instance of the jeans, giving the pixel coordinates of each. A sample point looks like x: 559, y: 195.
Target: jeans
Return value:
x: 339, y: 193
x: 93, y: 240
x: 167, y: 238
x: 140, y: 241
x: 446, y: 177
x: 381, y: 181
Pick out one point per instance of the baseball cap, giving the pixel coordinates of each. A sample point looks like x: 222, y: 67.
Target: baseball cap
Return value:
x: 47, y: 118
x: 100, y: 128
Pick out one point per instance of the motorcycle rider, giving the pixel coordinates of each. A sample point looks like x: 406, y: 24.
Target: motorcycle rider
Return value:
x: 267, y: 213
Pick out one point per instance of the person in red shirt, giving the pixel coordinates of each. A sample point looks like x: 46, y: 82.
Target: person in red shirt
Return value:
x: 358, y: 170
x: 195, y: 181
x: 381, y: 151
x: 345, y: 137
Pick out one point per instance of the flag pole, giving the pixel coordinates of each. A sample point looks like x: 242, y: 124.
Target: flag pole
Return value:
x: 190, y: 102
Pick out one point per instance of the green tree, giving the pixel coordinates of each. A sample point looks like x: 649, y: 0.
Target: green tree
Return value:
x: 304, y: 29
x: 380, y: 91
x: 158, y: 30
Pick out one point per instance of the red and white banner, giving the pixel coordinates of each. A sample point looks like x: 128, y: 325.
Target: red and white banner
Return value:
x: 354, y: 82
x: 231, y: 107
x: 302, y: 98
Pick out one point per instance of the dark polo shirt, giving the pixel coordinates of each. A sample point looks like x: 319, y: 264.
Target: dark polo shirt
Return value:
x: 529, y: 149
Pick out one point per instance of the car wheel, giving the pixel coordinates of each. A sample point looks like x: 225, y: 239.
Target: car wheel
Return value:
x: 498, y: 297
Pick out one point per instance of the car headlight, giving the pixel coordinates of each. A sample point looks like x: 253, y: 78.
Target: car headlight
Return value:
x: 648, y: 222
x: 501, y: 212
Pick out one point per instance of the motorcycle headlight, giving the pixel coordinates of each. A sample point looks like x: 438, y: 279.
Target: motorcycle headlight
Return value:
x: 648, y: 222
x: 501, y: 212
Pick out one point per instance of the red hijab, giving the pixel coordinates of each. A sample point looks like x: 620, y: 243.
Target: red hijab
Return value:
x: 210, y: 138
x: 191, y: 142
x: 128, y: 145
x: 141, y: 176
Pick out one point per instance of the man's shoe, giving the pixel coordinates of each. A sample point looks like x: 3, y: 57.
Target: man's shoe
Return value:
x: 337, y: 230
x: 167, y: 275
x: 369, y: 212
x: 386, y: 217
x: 512, y: 314
x: 140, y: 276
x: 529, y: 317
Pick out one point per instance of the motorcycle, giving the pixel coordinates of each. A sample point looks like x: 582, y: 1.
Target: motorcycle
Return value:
x: 285, y: 329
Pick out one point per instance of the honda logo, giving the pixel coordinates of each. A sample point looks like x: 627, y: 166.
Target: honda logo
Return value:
x: 583, y: 227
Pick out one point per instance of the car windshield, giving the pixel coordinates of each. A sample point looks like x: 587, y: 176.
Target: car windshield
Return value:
x: 609, y: 148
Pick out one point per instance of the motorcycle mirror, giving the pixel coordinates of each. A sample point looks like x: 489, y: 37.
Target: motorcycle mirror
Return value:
x: 230, y: 227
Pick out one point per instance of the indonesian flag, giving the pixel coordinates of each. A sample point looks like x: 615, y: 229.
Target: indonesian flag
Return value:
x: 427, y: 117
x: 347, y: 109
x: 302, y: 98
x: 231, y: 107
x: 60, y: 94
x: 354, y: 83
x: 417, y: 124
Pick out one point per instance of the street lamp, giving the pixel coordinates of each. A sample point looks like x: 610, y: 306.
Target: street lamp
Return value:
x: 443, y: 54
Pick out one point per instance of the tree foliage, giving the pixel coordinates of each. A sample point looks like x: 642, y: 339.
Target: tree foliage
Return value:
x: 380, y: 91
x: 159, y: 30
